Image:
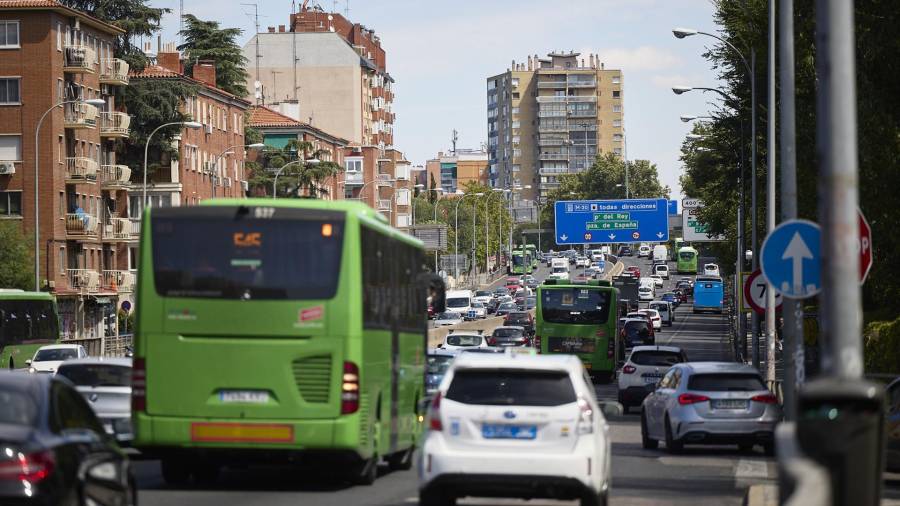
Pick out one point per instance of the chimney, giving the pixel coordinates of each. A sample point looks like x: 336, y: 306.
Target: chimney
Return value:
x: 205, y: 71
x: 271, y: 29
x: 280, y: 28
x: 169, y: 60
x: 601, y: 65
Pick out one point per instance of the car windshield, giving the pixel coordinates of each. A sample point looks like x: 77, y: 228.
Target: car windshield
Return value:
x: 55, y: 354
x: 637, y: 330
x: 97, y: 375
x: 463, y: 340
x: 656, y: 358
x: 481, y: 293
x: 575, y: 305
x: 437, y: 364
x: 517, y: 317
x: 508, y: 305
x: 726, y: 382
x: 458, y: 302
x: 507, y: 332
x: 559, y: 269
x: 686, y: 255
x: 19, y: 408
x: 449, y: 316
x: 493, y: 387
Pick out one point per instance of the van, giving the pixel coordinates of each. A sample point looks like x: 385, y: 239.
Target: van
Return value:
x: 596, y: 255
x: 665, y: 310
x: 661, y: 270
x: 660, y: 253
x: 644, y: 251
x: 459, y: 301
x: 559, y: 269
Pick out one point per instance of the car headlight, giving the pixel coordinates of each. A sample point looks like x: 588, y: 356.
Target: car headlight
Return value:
x: 32, y: 370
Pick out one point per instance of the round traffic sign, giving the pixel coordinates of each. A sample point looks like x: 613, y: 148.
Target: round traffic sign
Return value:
x: 636, y: 235
x: 126, y: 306
x: 791, y: 259
x: 755, y: 292
x: 587, y: 236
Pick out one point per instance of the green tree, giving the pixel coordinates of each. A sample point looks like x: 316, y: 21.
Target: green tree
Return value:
x: 16, y: 259
x: 204, y: 40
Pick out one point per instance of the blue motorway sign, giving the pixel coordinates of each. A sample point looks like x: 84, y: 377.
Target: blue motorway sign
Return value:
x: 611, y: 221
x: 791, y: 259
x: 673, y: 208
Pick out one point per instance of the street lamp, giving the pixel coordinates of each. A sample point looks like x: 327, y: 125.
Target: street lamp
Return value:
x: 687, y: 118
x: 376, y: 180
x: 189, y: 124
x: 456, y: 231
x: 311, y: 161
x: 694, y: 137
x: 487, y: 226
x: 229, y: 151
x: 96, y: 102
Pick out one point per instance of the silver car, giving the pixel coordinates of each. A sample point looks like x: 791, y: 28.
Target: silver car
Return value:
x: 710, y: 403
x: 106, y: 384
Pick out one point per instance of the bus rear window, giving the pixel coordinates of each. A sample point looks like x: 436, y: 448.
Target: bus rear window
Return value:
x: 228, y: 253
x: 575, y: 305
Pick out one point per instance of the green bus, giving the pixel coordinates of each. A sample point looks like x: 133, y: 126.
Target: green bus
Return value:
x: 687, y: 260
x: 531, y: 249
x: 521, y: 262
x: 676, y: 245
x: 278, y: 331
x: 580, y: 320
x: 28, y: 320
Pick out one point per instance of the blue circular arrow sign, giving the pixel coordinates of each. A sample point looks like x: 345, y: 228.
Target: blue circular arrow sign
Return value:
x: 791, y: 259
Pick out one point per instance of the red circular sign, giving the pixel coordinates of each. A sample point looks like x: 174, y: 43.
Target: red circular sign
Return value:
x: 587, y: 236
x: 864, y: 245
x: 755, y: 295
x: 636, y: 235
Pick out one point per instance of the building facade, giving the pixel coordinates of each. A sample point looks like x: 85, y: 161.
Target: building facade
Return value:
x: 453, y: 171
x: 54, y: 60
x: 552, y: 116
x: 383, y: 179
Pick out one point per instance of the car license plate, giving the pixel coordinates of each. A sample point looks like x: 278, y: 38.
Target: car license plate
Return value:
x: 730, y: 404
x: 652, y: 379
x: 498, y: 431
x: 244, y: 396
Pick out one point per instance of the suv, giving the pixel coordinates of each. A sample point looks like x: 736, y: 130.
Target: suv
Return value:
x: 662, y: 270
x: 637, y: 331
x: 515, y: 425
x: 520, y: 319
x: 644, y: 368
x: 458, y: 341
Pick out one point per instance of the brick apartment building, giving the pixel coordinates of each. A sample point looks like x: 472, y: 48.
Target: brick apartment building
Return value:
x: 452, y: 171
x: 54, y: 59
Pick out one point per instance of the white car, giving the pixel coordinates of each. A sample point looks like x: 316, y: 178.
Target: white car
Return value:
x: 448, y: 318
x: 654, y: 317
x: 47, y: 359
x: 646, y: 293
x: 483, y: 296
x: 662, y: 270
x: 582, y: 262
x: 644, y: 251
x: 644, y: 367
x: 516, y: 425
x: 456, y: 341
x: 710, y: 270
x: 657, y: 280
x: 476, y: 311
x: 106, y: 384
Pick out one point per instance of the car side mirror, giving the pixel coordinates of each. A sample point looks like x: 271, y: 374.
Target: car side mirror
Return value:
x: 28, y: 362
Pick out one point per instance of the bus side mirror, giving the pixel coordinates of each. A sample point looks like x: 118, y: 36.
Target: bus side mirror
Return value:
x: 436, y: 291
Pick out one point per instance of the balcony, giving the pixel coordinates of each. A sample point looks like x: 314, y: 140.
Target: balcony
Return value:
x: 384, y: 180
x: 353, y: 178
x: 114, y: 71
x: 114, y: 124
x: 384, y: 204
x: 567, y: 99
x: 554, y: 156
x: 81, y: 226
x: 552, y: 128
x: 114, y: 177
x: 552, y: 141
x: 120, y: 281
x: 117, y: 230
x: 552, y: 171
x: 592, y: 113
x: 135, y: 229
x: 83, y: 280
x: 80, y: 115
x: 79, y: 59
x: 81, y: 170
x: 577, y: 83
x: 555, y: 85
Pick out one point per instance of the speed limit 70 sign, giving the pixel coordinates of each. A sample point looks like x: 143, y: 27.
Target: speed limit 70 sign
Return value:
x: 755, y: 293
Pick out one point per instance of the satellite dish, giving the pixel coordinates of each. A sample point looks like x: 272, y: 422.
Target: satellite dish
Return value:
x: 330, y: 17
x: 257, y: 85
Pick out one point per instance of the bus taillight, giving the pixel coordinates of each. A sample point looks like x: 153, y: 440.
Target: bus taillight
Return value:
x: 537, y: 343
x: 611, y: 349
x: 350, y: 389
x: 139, y: 385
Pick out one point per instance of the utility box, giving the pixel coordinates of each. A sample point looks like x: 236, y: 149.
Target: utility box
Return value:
x: 840, y: 426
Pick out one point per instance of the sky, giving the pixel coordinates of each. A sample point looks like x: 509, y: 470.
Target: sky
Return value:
x: 440, y: 53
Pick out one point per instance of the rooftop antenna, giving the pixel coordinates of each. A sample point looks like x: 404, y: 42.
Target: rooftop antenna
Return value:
x: 181, y: 20
x: 347, y: 10
x: 453, y: 139
x: 258, y: 55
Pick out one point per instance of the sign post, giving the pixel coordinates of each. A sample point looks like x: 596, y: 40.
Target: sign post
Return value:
x: 611, y: 221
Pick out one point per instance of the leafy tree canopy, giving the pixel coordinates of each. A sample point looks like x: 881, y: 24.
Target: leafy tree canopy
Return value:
x: 204, y: 40
x: 16, y: 260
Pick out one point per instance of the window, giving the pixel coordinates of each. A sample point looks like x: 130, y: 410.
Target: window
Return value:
x: 617, y: 123
x: 617, y: 108
x: 353, y: 165
x: 11, y: 147
x: 59, y: 35
x: 9, y: 34
x: 617, y: 94
x: 616, y: 79
x: 11, y: 204
x: 62, y: 260
x: 9, y: 89
x: 505, y: 387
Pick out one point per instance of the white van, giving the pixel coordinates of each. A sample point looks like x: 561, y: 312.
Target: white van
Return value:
x: 662, y: 270
x: 459, y: 301
x: 644, y: 251
x: 596, y: 255
x: 559, y: 269
x: 660, y: 253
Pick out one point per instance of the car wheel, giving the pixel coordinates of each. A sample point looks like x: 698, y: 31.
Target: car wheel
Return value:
x: 401, y: 461
x: 435, y: 498
x: 672, y: 445
x: 175, y: 471
x: 646, y: 441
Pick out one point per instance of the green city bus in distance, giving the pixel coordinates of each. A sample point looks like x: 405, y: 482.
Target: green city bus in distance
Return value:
x: 28, y: 320
x: 277, y: 331
x: 687, y: 260
x: 580, y: 320
x: 531, y: 249
x: 676, y: 245
x: 521, y: 262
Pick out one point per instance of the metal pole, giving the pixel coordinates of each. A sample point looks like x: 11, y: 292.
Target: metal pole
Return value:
x: 436, y: 266
x: 770, y: 192
x: 456, y: 241
x: 742, y: 233
x: 474, y: 268
x: 37, y: 214
x: 836, y: 145
x: 754, y: 317
x: 792, y: 309
x: 626, y: 180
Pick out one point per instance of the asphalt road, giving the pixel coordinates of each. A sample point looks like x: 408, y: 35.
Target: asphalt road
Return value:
x: 699, y: 476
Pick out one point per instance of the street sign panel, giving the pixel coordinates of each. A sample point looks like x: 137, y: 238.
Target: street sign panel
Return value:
x: 755, y: 287
x: 692, y: 229
x: 691, y: 203
x: 864, y: 245
x: 611, y: 221
x: 673, y: 207
x: 433, y: 236
x: 791, y: 259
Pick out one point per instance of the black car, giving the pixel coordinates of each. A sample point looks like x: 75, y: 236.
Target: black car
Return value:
x: 636, y: 333
x: 54, y: 450
x: 625, y: 251
x: 509, y: 337
x: 520, y: 319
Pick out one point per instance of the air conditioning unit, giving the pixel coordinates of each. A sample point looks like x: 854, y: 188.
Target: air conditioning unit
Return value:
x: 209, y: 128
x: 7, y: 168
x: 245, y: 186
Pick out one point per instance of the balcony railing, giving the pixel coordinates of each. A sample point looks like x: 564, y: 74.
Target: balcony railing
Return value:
x: 583, y: 84
x: 571, y: 98
x: 80, y: 115
x: 552, y: 128
x: 81, y: 170
x: 114, y: 71
x: 135, y: 228
x: 383, y: 180
x: 114, y: 176
x: 114, y: 124
x: 81, y: 226
x: 384, y: 204
x: 120, y: 281
x: 353, y: 178
x: 552, y: 84
x: 79, y: 59
x: 552, y: 141
x: 552, y: 171
x: 554, y: 156
x: 581, y: 113
x: 117, y: 230
x: 84, y: 280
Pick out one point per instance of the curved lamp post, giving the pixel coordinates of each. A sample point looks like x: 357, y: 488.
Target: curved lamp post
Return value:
x: 229, y: 151
x: 311, y: 161
x: 189, y: 124
x: 456, y: 232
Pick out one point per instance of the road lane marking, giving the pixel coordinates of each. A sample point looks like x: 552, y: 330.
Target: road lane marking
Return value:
x: 747, y: 469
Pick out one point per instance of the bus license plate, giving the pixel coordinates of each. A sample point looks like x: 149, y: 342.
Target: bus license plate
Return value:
x: 244, y: 396
x: 495, y: 431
